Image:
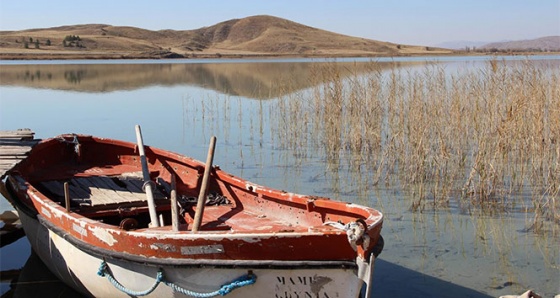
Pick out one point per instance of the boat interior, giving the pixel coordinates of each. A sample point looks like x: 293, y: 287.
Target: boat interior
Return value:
x: 121, y: 201
x: 105, y: 182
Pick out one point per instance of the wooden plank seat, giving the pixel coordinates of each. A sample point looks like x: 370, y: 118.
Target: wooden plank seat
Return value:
x: 101, y: 192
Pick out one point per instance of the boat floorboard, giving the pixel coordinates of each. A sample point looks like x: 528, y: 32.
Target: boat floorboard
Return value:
x: 100, y: 190
x: 114, y: 192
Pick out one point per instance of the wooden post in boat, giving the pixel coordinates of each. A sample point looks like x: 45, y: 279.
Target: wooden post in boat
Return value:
x: 204, y: 187
x: 147, y: 181
x: 66, y: 197
x: 174, y: 208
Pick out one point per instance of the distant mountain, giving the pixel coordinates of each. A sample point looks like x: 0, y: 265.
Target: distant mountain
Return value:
x: 549, y: 43
x: 461, y: 44
x: 252, y: 36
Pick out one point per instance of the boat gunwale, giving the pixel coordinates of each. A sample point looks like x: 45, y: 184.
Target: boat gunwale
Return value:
x: 54, y: 210
x: 44, y: 201
x: 190, y: 262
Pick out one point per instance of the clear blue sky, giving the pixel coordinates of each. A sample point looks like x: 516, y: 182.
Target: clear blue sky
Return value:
x: 422, y: 22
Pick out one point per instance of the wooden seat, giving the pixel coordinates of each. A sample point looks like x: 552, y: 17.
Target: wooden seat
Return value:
x: 99, y: 191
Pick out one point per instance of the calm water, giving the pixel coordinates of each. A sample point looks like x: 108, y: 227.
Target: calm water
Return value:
x: 180, y: 104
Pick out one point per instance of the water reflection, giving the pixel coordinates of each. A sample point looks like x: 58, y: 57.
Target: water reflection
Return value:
x: 35, y: 280
x: 442, y: 247
x: 262, y: 80
x: 428, y: 253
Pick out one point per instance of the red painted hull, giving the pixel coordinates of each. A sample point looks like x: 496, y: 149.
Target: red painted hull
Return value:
x: 256, y: 224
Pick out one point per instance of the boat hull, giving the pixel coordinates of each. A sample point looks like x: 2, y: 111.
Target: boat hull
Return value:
x: 79, y: 269
x: 88, y: 215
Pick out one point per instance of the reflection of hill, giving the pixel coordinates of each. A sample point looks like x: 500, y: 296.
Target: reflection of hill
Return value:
x: 259, y: 80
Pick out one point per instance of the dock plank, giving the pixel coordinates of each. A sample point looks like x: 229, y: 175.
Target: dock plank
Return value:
x: 22, y: 133
x: 14, y: 147
x: 13, y: 150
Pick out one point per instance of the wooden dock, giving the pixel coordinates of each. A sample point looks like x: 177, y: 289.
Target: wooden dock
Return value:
x: 14, y: 147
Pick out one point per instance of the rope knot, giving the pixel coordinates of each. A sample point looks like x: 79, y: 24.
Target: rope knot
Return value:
x: 102, y: 269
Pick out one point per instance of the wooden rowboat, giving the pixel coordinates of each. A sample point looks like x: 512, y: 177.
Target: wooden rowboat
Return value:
x: 117, y: 219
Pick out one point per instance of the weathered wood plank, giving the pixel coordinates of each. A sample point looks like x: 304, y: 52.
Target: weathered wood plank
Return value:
x: 9, y: 162
x: 14, y: 147
x: 97, y: 196
x: 134, y: 185
x: 14, y: 151
x: 23, y: 133
x: 55, y: 187
x: 79, y: 195
x: 103, y: 192
x: 117, y: 193
x: 18, y: 143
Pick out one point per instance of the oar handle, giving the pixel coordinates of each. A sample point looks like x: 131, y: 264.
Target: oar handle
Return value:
x: 204, y: 186
x: 147, y: 181
x: 174, y: 207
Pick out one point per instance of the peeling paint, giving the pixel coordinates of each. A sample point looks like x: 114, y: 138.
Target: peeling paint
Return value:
x: 202, y: 250
x: 79, y: 229
x: 103, y: 235
x: 46, y: 212
x: 319, y: 282
x: 163, y: 246
x: 251, y: 187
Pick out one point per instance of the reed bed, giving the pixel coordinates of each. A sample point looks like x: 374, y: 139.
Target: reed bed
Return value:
x: 478, y: 138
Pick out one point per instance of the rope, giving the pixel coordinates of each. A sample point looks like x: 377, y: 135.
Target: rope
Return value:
x: 354, y: 230
x: 74, y: 141
x: 224, y: 290
x: 242, y: 281
x: 103, y: 272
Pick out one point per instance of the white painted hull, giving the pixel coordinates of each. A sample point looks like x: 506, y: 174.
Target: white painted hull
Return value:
x: 79, y: 270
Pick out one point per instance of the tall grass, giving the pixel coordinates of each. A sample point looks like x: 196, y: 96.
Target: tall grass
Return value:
x: 485, y: 138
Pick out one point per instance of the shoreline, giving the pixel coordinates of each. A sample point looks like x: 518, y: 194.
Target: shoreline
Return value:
x: 10, y: 56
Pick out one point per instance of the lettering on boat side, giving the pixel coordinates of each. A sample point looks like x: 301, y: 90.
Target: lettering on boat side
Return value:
x: 302, y: 286
x: 79, y: 229
x: 46, y: 212
x: 202, y: 250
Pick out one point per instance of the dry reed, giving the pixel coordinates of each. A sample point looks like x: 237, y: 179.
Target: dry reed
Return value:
x: 485, y: 138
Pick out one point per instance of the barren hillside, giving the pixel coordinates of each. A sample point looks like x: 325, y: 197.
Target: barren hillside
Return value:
x: 251, y: 36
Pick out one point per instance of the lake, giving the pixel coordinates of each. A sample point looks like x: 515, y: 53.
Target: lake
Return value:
x: 180, y: 104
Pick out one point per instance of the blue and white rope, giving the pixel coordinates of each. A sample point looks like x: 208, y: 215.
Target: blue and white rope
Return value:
x: 245, y: 280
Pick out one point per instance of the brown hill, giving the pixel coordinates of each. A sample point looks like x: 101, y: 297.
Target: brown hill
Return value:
x: 549, y: 43
x: 251, y: 36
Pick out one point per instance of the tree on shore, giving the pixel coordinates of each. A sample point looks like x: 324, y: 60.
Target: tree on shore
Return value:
x: 72, y: 41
